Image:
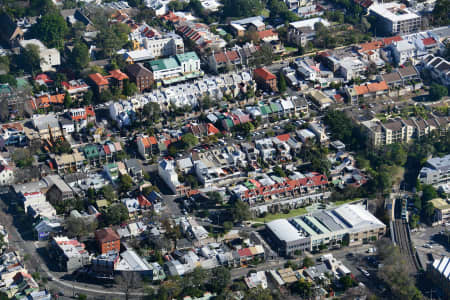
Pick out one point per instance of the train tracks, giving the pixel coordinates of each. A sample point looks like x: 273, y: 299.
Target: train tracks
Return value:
x: 403, y: 239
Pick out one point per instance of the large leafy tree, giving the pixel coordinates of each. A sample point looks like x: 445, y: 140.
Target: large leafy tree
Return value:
x: 30, y: 58
x: 113, y: 38
x: 79, y: 57
x: 51, y: 29
x: 241, y: 8
x: 441, y: 13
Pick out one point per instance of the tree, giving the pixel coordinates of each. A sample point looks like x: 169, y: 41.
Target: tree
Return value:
x: 440, y: 14
x: 227, y: 226
x: 77, y: 227
x: 308, y: 262
x: 30, y: 58
x: 347, y: 282
x: 278, y: 171
x: 303, y: 288
x: 9, y: 79
x: 125, y: 183
x: 437, y: 91
x: 220, y: 279
x: 87, y: 97
x: 241, y: 8
x: 67, y: 100
x: 51, y: 29
x: 113, y: 38
x: 428, y: 193
x: 215, y: 197
x: 4, y: 64
x: 281, y: 83
x: 108, y: 192
x: 129, y: 88
x: 258, y: 294
x: 116, y: 214
x: 240, y: 211
x: 79, y: 57
x: 152, y: 112
x: 189, y: 139
x: 300, y: 50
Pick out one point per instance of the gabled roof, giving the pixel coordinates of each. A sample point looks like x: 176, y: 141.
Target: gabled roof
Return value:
x: 98, y: 79
x: 390, y: 40
x: 264, y: 74
x: 267, y: 33
x: 220, y: 57
x: 105, y: 235
x: 138, y: 70
x: 429, y: 41
x: 117, y: 74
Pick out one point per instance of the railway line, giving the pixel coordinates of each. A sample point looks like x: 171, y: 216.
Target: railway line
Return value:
x: 402, y: 237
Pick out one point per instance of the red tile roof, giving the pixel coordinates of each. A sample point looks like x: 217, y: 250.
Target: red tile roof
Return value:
x: 232, y: 55
x: 106, y: 235
x: 371, y: 88
x: 267, y: 33
x: 390, y: 40
x: 371, y: 46
x: 429, y: 41
x: 143, y: 202
x: 220, y: 57
x: 98, y: 79
x: 284, y: 137
x: 264, y: 74
x: 44, y: 77
x: 117, y: 74
x: 212, y: 129
x: 245, y: 252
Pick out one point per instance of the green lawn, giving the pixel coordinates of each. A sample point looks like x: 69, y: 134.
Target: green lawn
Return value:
x: 290, y: 49
x: 292, y: 213
x: 338, y: 203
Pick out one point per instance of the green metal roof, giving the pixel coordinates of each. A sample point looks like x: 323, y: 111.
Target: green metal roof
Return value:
x: 164, y: 64
x: 265, y: 110
x: 187, y: 56
x: 274, y: 107
x: 91, y: 151
x: 229, y: 122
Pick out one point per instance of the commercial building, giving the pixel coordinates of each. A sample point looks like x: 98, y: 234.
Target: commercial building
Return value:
x: 436, y: 171
x: 150, y: 43
x: 68, y: 254
x: 175, y: 69
x: 394, y: 18
x: 350, y: 223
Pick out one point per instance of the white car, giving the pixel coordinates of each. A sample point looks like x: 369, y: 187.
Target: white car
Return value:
x: 428, y: 246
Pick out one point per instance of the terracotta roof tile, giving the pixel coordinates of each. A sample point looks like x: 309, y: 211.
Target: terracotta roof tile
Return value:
x: 264, y: 74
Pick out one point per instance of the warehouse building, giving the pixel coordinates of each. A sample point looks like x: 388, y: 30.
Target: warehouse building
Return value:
x: 351, y: 224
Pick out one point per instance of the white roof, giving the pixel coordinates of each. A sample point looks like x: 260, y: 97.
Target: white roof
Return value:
x: 309, y: 23
x: 284, y: 230
x: 393, y: 11
x: 132, y: 262
x: 356, y: 216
